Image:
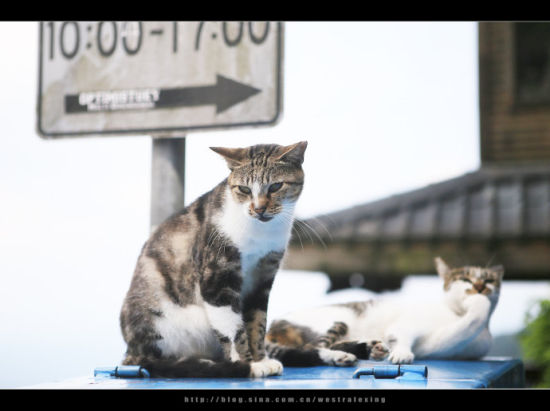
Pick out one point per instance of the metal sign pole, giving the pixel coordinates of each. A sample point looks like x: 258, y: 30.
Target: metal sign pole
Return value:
x: 167, y: 178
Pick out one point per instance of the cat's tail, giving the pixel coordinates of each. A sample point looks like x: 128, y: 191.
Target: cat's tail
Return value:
x: 294, y: 357
x: 196, y: 368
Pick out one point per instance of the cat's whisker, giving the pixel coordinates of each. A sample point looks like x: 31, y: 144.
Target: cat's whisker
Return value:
x: 212, y: 235
x: 215, y: 238
x: 314, y: 232
x: 323, y: 226
x: 288, y: 217
x: 223, y: 243
x: 297, y: 226
x: 303, y: 230
x: 299, y: 238
x: 211, y: 238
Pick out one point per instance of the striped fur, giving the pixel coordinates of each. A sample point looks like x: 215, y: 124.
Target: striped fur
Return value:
x: 299, y: 346
x: 197, y: 302
x: 456, y: 328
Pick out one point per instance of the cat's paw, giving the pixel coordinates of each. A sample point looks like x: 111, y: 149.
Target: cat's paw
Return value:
x: 477, y: 305
x: 337, y: 358
x: 476, y: 300
x: 265, y: 368
x: 401, y: 355
x: 378, y: 350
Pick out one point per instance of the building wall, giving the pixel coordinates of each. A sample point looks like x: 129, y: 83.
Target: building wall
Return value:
x: 510, y: 131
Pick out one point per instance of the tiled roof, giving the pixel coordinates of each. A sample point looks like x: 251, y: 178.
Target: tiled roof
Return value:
x: 491, y: 203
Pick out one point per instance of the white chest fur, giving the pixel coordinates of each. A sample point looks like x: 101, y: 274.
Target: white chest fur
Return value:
x: 252, y: 237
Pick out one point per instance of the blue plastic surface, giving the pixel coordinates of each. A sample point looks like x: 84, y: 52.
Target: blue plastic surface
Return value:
x: 406, y: 371
x: 430, y: 374
x: 122, y: 371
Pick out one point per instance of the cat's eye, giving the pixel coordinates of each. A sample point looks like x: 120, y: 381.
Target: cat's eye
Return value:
x: 466, y: 279
x: 489, y: 280
x: 244, y: 190
x: 275, y: 187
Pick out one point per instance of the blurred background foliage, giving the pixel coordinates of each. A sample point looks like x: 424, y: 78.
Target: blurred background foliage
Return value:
x: 535, y: 342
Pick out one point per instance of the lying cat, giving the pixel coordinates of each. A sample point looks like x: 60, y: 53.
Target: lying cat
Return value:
x: 455, y: 328
x: 197, y: 302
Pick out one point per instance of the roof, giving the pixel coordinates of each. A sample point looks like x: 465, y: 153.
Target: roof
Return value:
x: 498, y: 202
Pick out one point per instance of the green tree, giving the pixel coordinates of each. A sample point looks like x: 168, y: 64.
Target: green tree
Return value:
x: 535, y: 340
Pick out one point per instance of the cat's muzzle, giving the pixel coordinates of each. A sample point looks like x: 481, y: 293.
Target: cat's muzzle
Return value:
x: 259, y: 213
x: 263, y: 218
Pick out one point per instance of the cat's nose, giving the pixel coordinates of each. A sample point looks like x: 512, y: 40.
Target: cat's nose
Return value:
x: 260, y: 210
x: 479, y: 286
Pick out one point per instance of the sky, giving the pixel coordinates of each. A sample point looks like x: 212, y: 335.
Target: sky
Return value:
x: 385, y: 108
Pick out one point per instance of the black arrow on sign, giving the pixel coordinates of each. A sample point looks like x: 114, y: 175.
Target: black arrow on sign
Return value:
x: 224, y: 94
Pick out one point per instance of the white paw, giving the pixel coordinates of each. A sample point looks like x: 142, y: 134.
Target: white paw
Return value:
x: 401, y: 355
x: 265, y: 368
x: 337, y: 358
x: 379, y: 350
x: 477, y: 302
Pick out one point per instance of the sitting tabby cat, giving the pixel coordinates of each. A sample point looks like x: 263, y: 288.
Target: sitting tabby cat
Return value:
x: 456, y: 328
x: 197, y: 302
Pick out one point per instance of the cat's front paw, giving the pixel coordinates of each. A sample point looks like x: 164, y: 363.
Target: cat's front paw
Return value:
x: 401, y: 355
x: 378, y: 350
x: 265, y: 368
x: 337, y: 358
x: 477, y: 302
x: 477, y: 306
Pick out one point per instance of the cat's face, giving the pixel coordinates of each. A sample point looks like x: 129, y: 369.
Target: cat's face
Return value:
x: 463, y: 282
x: 265, y: 180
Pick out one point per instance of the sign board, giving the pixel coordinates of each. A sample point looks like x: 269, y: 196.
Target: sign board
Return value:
x: 157, y: 78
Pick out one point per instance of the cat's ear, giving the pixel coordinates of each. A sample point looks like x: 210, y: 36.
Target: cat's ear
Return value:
x: 293, y: 153
x: 442, y: 268
x: 234, y: 156
x: 498, y: 270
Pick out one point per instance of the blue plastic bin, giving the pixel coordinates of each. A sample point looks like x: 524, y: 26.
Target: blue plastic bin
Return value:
x: 430, y: 374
